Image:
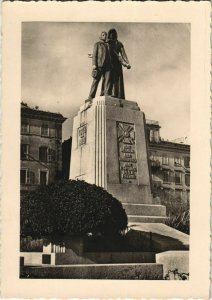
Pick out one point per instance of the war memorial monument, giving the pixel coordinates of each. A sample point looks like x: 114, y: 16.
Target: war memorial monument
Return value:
x: 109, y: 141
x: 110, y: 150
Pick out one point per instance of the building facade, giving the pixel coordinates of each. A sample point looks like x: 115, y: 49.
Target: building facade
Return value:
x: 41, y: 147
x: 170, y: 166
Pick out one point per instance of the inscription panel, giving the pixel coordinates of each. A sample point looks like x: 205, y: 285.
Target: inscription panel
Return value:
x: 82, y: 135
x: 127, y: 152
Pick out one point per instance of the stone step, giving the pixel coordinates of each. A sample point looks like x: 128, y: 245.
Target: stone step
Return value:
x: 146, y: 219
x: 145, y: 209
x: 146, y: 271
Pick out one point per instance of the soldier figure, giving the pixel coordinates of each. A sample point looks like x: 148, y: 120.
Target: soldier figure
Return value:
x: 101, y: 67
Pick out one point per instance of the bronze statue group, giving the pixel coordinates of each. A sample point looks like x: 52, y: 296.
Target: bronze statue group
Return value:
x: 107, y: 60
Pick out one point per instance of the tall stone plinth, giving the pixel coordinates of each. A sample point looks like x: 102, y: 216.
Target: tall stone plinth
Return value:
x: 109, y: 149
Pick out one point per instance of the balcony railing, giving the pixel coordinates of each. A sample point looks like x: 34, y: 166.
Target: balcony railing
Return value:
x: 155, y: 163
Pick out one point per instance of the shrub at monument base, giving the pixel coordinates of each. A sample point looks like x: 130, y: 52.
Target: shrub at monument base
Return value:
x: 178, y: 214
x: 71, y: 208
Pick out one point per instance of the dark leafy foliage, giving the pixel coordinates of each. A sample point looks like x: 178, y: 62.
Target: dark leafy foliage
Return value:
x: 68, y: 208
x: 178, y: 214
x: 180, y: 222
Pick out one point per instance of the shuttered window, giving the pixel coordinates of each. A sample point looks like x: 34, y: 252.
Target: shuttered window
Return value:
x: 24, y: 151
x: 46, y: 154
x: 43, y: 153
x: 27, y: 177
x: 178, y: 178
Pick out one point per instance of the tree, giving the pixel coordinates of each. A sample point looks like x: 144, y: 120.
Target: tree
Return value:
x: 71, y: 208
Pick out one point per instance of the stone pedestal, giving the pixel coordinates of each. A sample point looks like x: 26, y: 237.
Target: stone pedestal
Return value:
x: 109, y: 149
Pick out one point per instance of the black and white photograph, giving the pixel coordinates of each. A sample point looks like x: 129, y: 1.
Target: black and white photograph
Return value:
x: 107, y: 151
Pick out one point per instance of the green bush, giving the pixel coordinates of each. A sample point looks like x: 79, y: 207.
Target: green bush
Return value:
x: 70, y: 208
x: 180, y: 222
x: 178, y: 214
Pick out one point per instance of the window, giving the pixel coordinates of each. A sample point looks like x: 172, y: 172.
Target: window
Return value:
x: 24, y: 127
x: 151, y: 135
x: 166, y: 177
x: 27, y: 177
x: 154, y: 135
x: 46, y: 155
x: 177, y: 161
x: 187, y: 179
x: 43, y: 177
x: 45, y: 130
x: 165, y: 160
x: 24, y: 151
x: 51, y: 155
x: 187, y: 161
x: 178, y: 178
x: 43, y: 154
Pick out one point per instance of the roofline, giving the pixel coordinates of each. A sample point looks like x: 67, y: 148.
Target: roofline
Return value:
x: 35, y: 113
x: 169, y: 146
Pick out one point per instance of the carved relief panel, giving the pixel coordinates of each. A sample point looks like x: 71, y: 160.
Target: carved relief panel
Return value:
x: 127, y: 152
x: 82, y: 135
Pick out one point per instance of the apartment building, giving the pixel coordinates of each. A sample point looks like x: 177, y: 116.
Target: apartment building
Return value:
x: 41, y: 147
x: 170, y: 165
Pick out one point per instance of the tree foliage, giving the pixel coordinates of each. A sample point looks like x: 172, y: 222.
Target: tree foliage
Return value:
x: 178, y: 213
x: 71, y: 208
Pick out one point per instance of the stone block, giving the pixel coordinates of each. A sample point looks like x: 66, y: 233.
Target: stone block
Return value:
x: 146, y: 219
x: 156, y: 237
x: 145, y: 209
x: 174, y: 260
x: 36, y: 258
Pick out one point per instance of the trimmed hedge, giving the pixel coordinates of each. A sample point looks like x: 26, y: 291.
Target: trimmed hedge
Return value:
x: 68, y: 208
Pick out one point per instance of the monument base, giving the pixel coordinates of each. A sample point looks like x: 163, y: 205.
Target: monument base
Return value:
x: 109, y: 149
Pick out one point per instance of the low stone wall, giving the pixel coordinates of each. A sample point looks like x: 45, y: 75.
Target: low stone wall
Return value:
x: 174, y: 260
x: 121, y: 257
x: 71, y: 257
x: 37, y: 258
x: 97, y: 271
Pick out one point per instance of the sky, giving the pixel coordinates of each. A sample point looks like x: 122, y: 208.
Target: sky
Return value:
x: 56, y: 70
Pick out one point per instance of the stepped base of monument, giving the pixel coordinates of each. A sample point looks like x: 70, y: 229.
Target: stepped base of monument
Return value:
x: 146, y: 219
x: 145, y: 213
x: 146, y: 271
x: 145, y: 209
x: 156, y: 237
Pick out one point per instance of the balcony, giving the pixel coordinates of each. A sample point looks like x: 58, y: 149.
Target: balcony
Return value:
x: 167, y: 185
x: 166, y: 167
x: 180, y: 167
x: 155, y: 163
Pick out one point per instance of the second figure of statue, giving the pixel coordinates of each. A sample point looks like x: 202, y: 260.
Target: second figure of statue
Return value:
x: 107, y: 59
